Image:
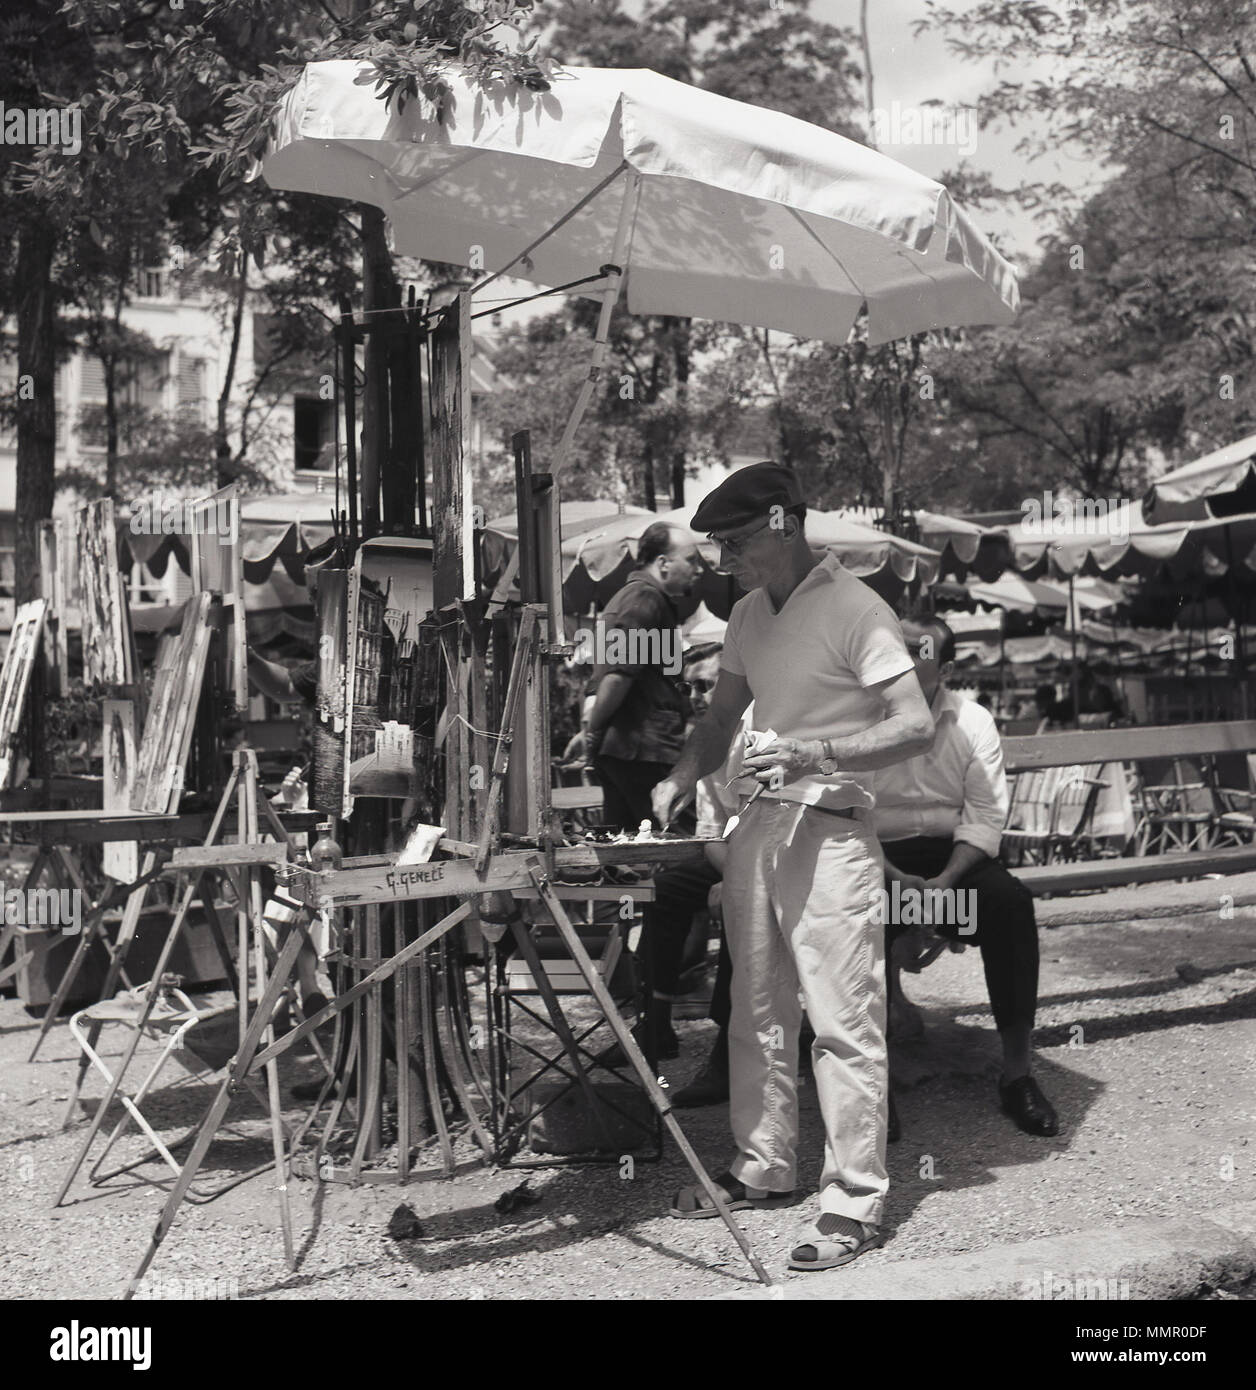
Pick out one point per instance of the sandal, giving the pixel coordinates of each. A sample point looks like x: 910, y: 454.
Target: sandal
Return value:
x: 829, y: 1250
x: 693, y: 1204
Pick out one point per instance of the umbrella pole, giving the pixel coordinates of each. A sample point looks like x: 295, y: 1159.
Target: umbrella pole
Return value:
x: 614, y: 273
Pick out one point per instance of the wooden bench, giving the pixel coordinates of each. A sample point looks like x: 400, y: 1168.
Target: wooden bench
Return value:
x: 1024, y: 754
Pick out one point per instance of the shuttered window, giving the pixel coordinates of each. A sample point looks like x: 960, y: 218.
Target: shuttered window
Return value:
x: 192, y: 387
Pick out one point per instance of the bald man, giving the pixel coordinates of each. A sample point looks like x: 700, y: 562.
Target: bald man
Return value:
x: 637, y: 723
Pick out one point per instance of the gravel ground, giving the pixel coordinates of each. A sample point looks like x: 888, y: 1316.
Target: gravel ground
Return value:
x: 1149, y: 1064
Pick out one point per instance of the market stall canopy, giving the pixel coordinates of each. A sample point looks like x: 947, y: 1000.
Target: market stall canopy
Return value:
x: 1028, y: 595
x: 1143, y: 649
x: 743, y: 214
x: 285, y: 527
x: 273, y: 610
x: 864, y: 550
x: 1222, y: 483
x: 1123, y: 543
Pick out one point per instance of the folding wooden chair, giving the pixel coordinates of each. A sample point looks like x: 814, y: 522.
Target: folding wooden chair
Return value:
x: 538, y: 1079
x: 203, y: 1041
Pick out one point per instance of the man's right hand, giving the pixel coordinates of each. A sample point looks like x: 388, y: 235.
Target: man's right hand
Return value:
x: 667, y: 798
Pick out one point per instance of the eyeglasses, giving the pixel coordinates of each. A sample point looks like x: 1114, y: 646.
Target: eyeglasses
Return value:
x: 698, y: 687
x: 736, y: 544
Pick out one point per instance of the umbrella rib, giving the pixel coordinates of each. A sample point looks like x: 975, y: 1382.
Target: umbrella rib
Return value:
x: 439, y: 174
x: 920, y: 270
x: 562, y: 222
x: 827, y: 249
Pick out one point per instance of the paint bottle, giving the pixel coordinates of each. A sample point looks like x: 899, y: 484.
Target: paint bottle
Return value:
x: 325, y: 853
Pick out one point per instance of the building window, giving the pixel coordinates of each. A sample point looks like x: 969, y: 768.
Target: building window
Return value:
x: 140, y: 389
x: 152, y: 282
x: 313, y: 434
x: 191, y: 387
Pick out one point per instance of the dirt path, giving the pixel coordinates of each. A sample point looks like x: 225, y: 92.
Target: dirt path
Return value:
x: 1151, y: 1070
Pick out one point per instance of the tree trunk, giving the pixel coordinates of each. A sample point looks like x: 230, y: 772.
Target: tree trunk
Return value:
x: 680, y: 360
x: 110, y: 365
x: 36, y: 407
x: 648, y: 497
x: 225, y: 466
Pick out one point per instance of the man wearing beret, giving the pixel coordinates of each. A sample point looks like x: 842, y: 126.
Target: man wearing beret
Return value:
x: 824, y: 661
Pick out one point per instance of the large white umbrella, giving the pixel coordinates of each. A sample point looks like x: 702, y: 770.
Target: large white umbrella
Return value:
x: 692, y: 203
x: 711, y: 207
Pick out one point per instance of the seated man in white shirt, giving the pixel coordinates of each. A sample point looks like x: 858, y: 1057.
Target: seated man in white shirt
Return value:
x: 939, y: 817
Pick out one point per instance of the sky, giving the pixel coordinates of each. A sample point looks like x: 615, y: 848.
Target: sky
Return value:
x: 909, y: 70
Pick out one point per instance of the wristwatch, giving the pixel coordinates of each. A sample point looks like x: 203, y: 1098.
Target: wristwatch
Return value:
x: 828, y: 763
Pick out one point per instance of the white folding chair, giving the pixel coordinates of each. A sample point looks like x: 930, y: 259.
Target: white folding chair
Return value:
x: 170, y: 1021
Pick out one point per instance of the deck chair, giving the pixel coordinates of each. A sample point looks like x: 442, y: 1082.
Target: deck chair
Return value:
x: 1027, y: 834
x: 1072, y: 814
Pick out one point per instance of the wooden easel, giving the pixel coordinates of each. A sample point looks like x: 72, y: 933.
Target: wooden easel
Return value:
x: 239, y: 862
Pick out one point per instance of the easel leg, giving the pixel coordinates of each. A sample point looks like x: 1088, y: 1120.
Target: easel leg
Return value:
x: 657, y: 1095
x: 249, y: 834
x: 20, y: 956
x: 243, y: 1062
x: 87, y: 934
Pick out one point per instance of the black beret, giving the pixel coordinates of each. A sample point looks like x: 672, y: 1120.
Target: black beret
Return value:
x: 748, y: 495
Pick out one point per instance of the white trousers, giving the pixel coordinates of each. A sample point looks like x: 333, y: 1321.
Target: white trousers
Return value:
x: 799, y: 893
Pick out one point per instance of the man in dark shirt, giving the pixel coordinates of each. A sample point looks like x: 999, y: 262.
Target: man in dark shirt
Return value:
x: 637, y: 724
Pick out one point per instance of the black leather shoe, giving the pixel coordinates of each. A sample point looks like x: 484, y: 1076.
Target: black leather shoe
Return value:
x: 1024, y: 1102
x: 709, y: 1087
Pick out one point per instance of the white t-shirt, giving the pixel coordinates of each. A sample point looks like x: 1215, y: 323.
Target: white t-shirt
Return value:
x: 811, y: 668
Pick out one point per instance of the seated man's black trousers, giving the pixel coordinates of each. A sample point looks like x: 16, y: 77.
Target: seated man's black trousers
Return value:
x: 679, y: 892
x: 1007, y: 933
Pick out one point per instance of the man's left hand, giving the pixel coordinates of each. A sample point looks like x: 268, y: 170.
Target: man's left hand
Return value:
x: 784, y: 761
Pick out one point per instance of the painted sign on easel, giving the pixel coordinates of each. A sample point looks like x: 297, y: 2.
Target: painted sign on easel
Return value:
x: 330, y: 705
x: 390, y: 594
x: 108, y: 652
x: 163, y: 752
x: 19, y: 662
x: 54, y: 581
x: 120, y: 858
x: 218, y: 568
